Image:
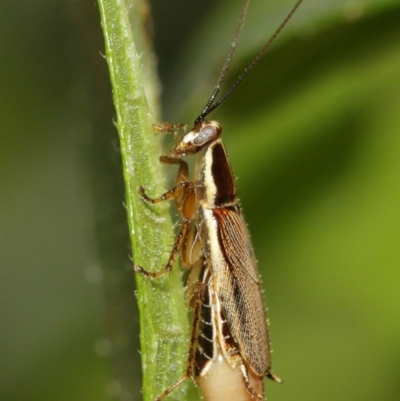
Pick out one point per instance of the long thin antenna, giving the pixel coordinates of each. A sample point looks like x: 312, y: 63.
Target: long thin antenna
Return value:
x: 210, y: 106
x: 227, y: 62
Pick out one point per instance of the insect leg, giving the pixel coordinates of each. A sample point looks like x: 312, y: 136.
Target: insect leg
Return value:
x: 183, y: 172
x: 198, y: 297
x: 185, y: 200
x: 175, y: 250
x: 171, y: 193
x: 182, y: 190
x: 167, y: 128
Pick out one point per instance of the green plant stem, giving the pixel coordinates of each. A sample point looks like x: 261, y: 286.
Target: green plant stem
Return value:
x: 163, y: 314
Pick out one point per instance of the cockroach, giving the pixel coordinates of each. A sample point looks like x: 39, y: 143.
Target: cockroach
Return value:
x: 229, y: 352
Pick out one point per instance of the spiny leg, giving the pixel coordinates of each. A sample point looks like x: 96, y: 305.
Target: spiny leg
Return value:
x: 171, y: 193
x: 182, y: 176
x: 166, y: 127
x: 171, y: 388
x: 198, y: 295
x: 180, y: 239
x: 183, y: 192
x: 188, y: 201
x: 198, y: 300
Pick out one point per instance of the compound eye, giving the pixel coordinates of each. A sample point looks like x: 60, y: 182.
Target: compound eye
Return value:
x: 200, y: 136
x: 205, y: 134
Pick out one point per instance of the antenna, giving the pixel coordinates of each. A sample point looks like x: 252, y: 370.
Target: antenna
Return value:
x: 228, y: 60
x: 210, y: 106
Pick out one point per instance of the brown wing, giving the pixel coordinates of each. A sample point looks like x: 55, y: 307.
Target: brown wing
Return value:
x: 239, y: 290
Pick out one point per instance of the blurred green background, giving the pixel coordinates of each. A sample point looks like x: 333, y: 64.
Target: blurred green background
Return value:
x: 313, y: 136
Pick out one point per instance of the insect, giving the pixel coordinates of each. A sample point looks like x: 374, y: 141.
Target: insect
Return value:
x: 229, y: 352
